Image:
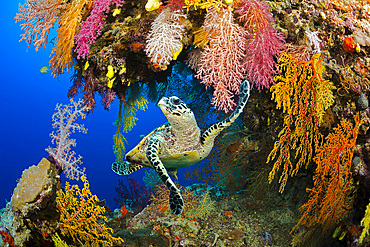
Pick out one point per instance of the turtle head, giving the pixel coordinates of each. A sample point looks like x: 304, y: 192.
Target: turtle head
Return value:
x: 177, y: 113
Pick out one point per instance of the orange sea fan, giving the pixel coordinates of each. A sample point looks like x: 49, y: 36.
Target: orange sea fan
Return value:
x: 304, y: 95
x: 69, y: 23
x: 330, y: 200
x: 39, y: 18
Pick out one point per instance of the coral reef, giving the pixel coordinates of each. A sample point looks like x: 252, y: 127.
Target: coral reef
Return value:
x: 136, y: 44
x: 227, y: 224
x: 312, y: 56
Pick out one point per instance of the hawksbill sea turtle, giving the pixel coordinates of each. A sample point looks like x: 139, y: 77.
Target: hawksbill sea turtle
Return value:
x: 177, y: 144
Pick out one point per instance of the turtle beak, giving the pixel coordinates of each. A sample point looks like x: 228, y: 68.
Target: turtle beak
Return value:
x: 163, y: 104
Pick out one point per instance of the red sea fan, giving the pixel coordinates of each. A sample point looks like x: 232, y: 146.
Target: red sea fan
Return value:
x: 220, y: 66
x: 264, y: 44
x: 135, y: 196
x: 175, y: 4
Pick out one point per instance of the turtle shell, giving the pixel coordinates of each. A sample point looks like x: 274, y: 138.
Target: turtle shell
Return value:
x: 171, y: 159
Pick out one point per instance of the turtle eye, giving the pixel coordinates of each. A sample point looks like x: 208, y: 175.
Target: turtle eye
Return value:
x: 175, y: 101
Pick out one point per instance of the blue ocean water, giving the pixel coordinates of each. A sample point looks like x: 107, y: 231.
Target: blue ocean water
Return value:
x: 27, y: 102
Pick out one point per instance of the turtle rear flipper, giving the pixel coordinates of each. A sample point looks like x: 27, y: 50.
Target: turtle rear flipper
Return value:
x: 125, y: 167
x: 176, y: 202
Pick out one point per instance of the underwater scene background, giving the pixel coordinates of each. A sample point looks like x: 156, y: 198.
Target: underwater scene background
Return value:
x: 81, y: 88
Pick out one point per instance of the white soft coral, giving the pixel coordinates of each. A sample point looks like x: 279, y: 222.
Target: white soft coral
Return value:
x: 64, y: 121
x: 164, y: 38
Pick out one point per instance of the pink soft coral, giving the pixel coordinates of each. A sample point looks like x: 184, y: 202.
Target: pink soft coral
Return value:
x: 264, y: 45
x: 220, y: 65
x: 91, y: 28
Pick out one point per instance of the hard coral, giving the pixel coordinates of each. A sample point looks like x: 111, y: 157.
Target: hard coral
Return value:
x: 37, y: 184
x: 33, y: 204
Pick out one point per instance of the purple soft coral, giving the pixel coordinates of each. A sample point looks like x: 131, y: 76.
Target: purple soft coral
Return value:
x: 108, y: 98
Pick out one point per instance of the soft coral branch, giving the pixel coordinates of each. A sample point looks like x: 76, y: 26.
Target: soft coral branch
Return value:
x: 264, y: 44
x: 92, y: 26
x: 164, y: 38
x: 64, y: 121
x: 220, y: 65
x: 39, y: 18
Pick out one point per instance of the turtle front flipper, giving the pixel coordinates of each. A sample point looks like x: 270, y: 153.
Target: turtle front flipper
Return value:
x: 212, y: 132
x: 125, y: 167
x: 176, y: 201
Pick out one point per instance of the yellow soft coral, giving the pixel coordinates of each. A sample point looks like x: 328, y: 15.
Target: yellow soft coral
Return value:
x: 365, y: 222
x: 58, y: 242
x: 82, y: 218
x: 125, y: 122
x: 152, y: 5
x: 205, y: 4
x: 110, y: 76
x: 304, y: 95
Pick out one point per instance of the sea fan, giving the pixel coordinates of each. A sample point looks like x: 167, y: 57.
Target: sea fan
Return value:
x: 264, y: 44
x: 220, y: 66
